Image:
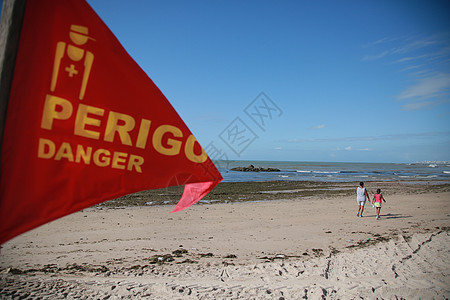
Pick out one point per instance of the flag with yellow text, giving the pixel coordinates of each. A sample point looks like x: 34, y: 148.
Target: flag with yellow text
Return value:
x: 85, y: 124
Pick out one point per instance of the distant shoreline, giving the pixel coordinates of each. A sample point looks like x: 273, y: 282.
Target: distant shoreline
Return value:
x: 229, y: 192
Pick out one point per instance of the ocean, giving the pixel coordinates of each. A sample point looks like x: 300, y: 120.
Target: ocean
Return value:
x: 336, y: 171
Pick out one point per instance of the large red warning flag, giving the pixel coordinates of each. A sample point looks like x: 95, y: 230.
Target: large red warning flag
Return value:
x: 85, y: 124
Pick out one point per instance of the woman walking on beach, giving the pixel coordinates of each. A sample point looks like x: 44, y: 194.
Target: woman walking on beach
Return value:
x: 377, y: 202
x: 361, y: 197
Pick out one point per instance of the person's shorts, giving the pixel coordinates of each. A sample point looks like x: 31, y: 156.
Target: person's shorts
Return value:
x: 361, y: 203
x: 377, y: 204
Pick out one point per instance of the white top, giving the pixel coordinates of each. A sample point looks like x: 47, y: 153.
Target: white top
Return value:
x: 361, y: 194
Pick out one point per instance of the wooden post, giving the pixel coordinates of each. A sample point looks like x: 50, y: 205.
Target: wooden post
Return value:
x: 10, y: 26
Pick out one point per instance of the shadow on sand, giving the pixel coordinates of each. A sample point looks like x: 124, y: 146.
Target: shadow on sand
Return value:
x: 394, y: 216
x: 388, y: 216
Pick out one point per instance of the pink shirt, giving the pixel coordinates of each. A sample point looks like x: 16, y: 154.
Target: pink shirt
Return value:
x: 378, y: 198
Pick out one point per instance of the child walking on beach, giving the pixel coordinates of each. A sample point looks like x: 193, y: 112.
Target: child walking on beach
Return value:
x: 361, y: 197
x: 377, y: 202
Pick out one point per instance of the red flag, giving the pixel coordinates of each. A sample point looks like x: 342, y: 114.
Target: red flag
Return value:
x: 85, y: 124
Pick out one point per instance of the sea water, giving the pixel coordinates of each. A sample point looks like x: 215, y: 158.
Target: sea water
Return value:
x: 336, y: 171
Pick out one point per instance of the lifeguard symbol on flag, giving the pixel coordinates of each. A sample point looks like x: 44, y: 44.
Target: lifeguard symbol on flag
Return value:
x: 85, y: 124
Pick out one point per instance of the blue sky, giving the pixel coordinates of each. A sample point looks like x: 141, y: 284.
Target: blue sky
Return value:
x: 345, y: 81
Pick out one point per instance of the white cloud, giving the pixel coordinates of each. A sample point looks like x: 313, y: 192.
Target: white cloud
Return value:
x: 411, y: 58
x: 376, y: 56
x: 429, y: 87
x: 413, y: 68
x: 350, y: 148
x: 418, y: 105
x: 384, y: 40
x: 388, y: 137
x: 321, y: 126
x: 426, y: 60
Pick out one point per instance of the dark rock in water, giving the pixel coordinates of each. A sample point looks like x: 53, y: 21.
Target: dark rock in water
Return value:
x: 252, y: 168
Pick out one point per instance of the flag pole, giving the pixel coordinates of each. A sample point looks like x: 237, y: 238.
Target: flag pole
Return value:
x: 10, y: 26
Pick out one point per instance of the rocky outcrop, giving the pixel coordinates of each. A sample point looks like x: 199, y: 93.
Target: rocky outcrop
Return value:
x: 252, y: 168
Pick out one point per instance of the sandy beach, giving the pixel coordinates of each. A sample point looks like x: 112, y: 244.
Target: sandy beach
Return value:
x: 298, y: 245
